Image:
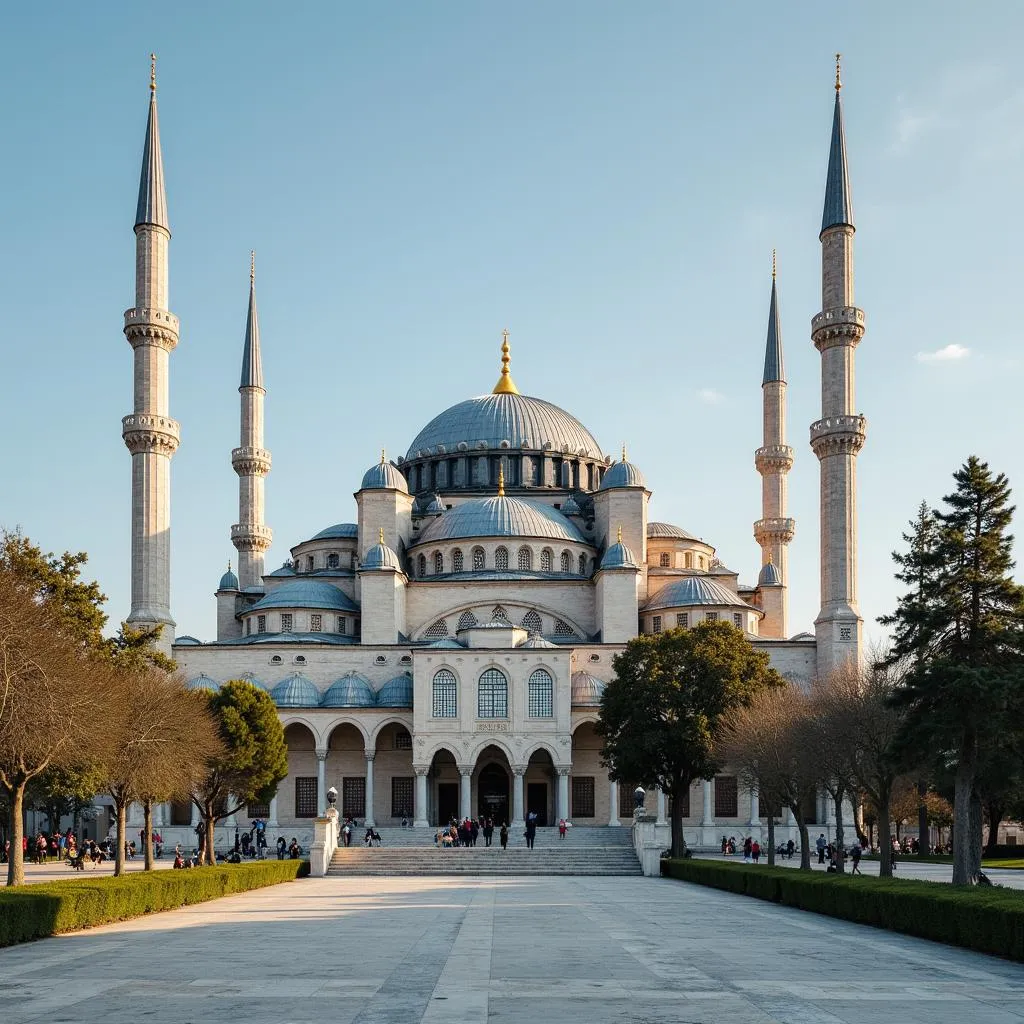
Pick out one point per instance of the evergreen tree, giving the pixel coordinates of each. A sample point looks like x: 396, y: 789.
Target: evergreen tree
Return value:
x: 968, y: 682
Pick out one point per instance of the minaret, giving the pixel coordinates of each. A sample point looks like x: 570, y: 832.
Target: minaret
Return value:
x: 774, y: 530
x: 149, y: 432
x: 251, y: 460
x: 838, y: 436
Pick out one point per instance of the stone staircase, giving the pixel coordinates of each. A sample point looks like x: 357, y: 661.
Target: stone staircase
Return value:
x: 411, y: 851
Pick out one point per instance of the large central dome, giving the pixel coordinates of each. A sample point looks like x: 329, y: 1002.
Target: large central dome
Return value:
x: 507, y: 420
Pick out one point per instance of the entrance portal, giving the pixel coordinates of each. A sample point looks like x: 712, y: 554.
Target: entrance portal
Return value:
x: 492, y: 788
x: 447, y: 802
x: 537, y: 801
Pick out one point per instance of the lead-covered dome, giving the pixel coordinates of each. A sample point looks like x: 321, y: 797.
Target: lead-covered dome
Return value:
x: 384, y: 477
x: 306, y: 594
x: 350, y: 691
x: 502, y: 516
x: 622, y: 474
x: 296, y: 691
x: 694, y: 590
x: 508, y: 420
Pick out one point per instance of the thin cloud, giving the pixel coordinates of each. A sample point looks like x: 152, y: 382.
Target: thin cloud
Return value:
x: 946, y: 354
x: 709, y: 396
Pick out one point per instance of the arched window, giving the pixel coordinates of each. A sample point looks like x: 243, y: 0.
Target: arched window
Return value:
x: 700, y: 558
x: 688, y: 560
x: 563, y: 628
x: 546, y: 560
x: 499, y: 613
x: 309, y: 563
x: 525, y: 559
x: 541, y: 695
x: 421, y: 566
x: 438, y: 630
x: 333, y: 561
x: 457, y: 560
x: 531, y: 622
x: 478, y: 558
x: 566, y: 562
x: 665, y: 560
x: 501, y: 559
x: 438, y: 563
x: 492, y: 695
x: 583, y: 565
x: 446, y: 694
x: 467, y: 620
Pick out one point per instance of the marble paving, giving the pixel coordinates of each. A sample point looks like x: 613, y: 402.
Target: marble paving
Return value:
x: 391, y: 951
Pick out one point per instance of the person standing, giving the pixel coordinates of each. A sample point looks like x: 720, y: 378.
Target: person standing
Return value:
x: 531, y: 831
x: 755, y: 851
x: 503, y: 835
x: 747, y: 846
x: 562, y: 828
x: 822, y: 844
x: 488, y: 832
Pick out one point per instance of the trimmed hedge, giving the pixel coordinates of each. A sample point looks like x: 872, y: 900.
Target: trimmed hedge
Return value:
x: 989, y: 920
x: 36, y: 911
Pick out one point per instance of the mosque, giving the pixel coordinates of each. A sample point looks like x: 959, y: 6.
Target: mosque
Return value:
x: 445, y: 653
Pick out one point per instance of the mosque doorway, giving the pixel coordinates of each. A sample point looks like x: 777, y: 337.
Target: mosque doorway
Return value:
x: 537, y: 801
x: 447, y: 802
x: 493, y: 792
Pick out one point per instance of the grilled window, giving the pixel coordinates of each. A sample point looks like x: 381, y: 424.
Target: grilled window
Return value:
x: 353, y: 797
x: 478, y: 558
x: 438, y: 563
x: 546, y: 560
x: 261, y: 623
x: 564, y: 629
x: 421, y: 566
x: 403, y: 741
x: 457, y: 560
x: 541, y: 695
x: 683, y: 619
x: 737, y: 619
x: 665, y: 560
x: 305, y: 796
x: 566, y: 562
x: 492, y: 695
x: 316, y: 623
x: 341, y: 625
x: 498, y: 613
x: 333, y: 562
x: 446, y: 700
x: 626, y: 804
x: 726, y: 797
x: 532, y: 622
x: 438, y: 630
x: 711, y: 616
x: 583, y: 796
x: 583, y: 565
x: 688, y: 560
x: 467, y: 620
x: 656, y: 624
x: 501, y: 559
x: 525, y: 559
x: 402, y: 789
x: 286, y: 622
x: 258, y: 811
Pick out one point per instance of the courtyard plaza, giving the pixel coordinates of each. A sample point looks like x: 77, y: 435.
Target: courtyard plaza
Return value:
x: 472, y: 950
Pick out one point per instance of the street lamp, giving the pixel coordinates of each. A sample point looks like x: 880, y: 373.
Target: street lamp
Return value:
x: 332, y: 796
x: 639, y: 795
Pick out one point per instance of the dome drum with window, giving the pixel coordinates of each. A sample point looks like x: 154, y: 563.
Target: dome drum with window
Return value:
x: 686, y: 601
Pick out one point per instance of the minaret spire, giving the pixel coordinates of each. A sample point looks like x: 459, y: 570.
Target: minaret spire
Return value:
x: 838, y: 436
x: 251, y: 461
x: 505, y: 385
x: 149, y: 432
x: 774, y: 459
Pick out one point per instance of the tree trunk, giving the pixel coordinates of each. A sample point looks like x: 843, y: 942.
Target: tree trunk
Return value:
x: 884, y: 836
x: 840, y: 834
x: 147, y: 842
x: 995, y: 818
x: 16, y: 862
x: 678, y: 844
x: 924, y: 835
x: 858, y: 823
x: 771, y: 838
x: 121, y: 806
x: 805, y: 841
x: 963, y: 787
x: 977, y: 828
x: 209, y: 855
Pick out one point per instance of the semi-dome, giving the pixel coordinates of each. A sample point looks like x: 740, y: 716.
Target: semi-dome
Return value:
x: 435, y: 507
x: 296, y: 691
x: 622, y: 474
x: 339, y: 531
x: 396, y: 693
x: 384, y: 477
x: 770, y: 576
x: 306, y: 594
x: 571, y: 507
x: 203, y: 682
x: 586, y: 690
x: 229, y: 581
x: 535, y: 642
x: 350, y: 691
x: 502, y: 516
x: 668, y: 530
x: 694, y: 590
x: 504, y: 420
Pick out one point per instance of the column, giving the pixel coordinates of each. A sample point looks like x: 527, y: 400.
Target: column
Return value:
x: 563, y: 793
x: 369, y: 786
x: 755, y: 807
x: 830, y: 814
x: 662, y: 818
x: 709, y: 807
x: 272, y: 819
x: 465, y: 796
x: 196, y: 815
x: 613, y: 802
x: 230, y: 821
x: 518, y: 819
x: 321, y: 783
x: 419, y: 818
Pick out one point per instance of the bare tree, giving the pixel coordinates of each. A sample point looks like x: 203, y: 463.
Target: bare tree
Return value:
x: 768, y: 743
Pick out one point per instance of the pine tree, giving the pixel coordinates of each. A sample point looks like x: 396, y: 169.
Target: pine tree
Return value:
x: 968, y: 683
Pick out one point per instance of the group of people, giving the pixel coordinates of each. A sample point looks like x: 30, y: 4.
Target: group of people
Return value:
x: 468, y: 831
x: 65, y: 847
x: 751, y: 849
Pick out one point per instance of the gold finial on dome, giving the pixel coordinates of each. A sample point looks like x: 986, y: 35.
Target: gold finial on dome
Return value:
x: 623, y: 451
x: 152, y: 72
x: 383, y: 456
x: 505, y: 385
x: 769, y: 558
x: 839, y: 83
x: 229, y: 565
x: 381, y: 541
x: 501, y: 481
x: 620, y: 533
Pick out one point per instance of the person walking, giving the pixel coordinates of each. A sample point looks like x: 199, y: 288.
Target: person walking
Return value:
x: 755, y: 851
x: 822, y: 844
x: 855, y: 853
x: 488, y: 832
x: 747, y: 846
x: 562, y: 828
x: 503, y: 835
x: 531, y: 832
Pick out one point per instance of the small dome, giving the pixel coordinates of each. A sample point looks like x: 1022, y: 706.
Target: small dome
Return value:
x: 435, y: 508
x: 250, y: 678
x: 694, y: 590
x: 570, y: 507
x: 186, y: 641
x: 384, y: 477
x: 203, y: 682
x: 306, y: 593
x: 339, y: 531
x: 668, y: 530
x: 350, y: 691
x: 535, y: 642
x: 803, y: 636
x: 396, y: 693
x: 622, y: 474
x: 296, y: 691
x: 769, y: 576
x: 229, y: 581
x: 502, y: 517
x: 286, y: 570
x: 618, y: 556
x: 586, y: 690
x: 380, y: 556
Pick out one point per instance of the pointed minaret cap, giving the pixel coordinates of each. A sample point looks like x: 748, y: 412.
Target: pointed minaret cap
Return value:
x: 252, y: 361
x: 505, y: 385
x: 838, y: 197
x: 773, y: 368
x: 152, y: 205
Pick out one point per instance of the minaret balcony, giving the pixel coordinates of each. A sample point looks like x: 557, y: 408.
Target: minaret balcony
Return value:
x: 838, y: 435
x: 251, y: 536
x: 143, y: 432
x: 841, y: 326
x: 250, y: 461
x: 776, y: 530
x: 144, y: 326
x: 773, y: 459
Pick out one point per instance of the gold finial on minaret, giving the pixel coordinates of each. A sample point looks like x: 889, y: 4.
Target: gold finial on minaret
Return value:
x: 383, y: 456
x: 252, y: 266
x: 773, y: 264
x: 501, y: 481
x: 381, y: 541
x: 505, y: 385
x: 839, y: 84
x: 152, y: 72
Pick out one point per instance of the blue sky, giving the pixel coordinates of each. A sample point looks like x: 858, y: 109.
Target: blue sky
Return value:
x: 607, y: 180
